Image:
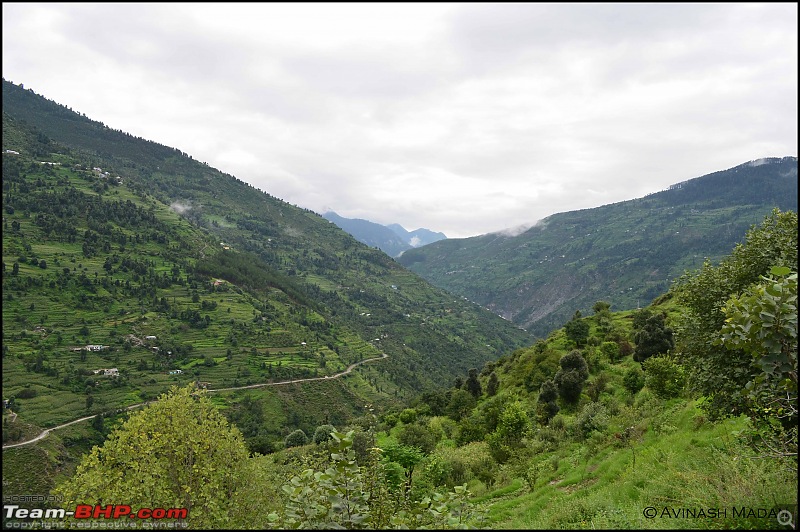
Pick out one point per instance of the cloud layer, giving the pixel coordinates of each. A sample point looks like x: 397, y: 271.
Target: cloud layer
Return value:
x: 462, y: 118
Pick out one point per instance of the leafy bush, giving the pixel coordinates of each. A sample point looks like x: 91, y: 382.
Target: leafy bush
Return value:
x: 296, y: 439
x: 418, y: 436
x: 592, y: 418
x: 347, y: 496
x: 323, y: 433
x: 409, y: 415
x: 610, y: 350
x: 664, y: 376
x: 633, y: 380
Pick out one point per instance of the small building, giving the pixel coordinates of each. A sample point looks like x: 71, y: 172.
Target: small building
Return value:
x: 95, y: 347
x: 150, y: 337
x: 175, y: 371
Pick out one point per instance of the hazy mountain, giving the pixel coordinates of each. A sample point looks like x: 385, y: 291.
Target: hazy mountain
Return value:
x: 419, y: 237
x: 392, y: 239
x: 625, y: 253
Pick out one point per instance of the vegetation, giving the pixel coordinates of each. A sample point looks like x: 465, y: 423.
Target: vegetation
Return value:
x: 112, y: 299
x: 179, y: 452
x: 625, y: 254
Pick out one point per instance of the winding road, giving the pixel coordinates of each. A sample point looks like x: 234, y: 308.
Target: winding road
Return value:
x: 349, y: 369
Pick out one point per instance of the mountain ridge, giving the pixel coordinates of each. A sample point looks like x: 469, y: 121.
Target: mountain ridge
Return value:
x: 626, y: 252
x: 392, y: 239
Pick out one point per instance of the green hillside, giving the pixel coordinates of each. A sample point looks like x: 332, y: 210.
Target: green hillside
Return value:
x: 173, y: 266
x: 625, y: 253
x: 132, y: 273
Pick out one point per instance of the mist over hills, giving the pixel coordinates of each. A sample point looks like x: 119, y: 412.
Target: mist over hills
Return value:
x: 625, y: 253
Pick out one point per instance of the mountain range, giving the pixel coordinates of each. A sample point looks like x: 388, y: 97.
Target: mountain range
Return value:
x: 392, y: 239
x: 625, y: 253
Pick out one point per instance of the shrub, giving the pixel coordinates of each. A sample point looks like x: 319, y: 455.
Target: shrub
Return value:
x: 664, y: 376
x: 418, y: 436
x: 409, y: 415
x: 27, y: 393
x: 323, y: 433
x: 296, y: 439
x: 610, y: 350
x: 633, y: 380
x: 593, y: 418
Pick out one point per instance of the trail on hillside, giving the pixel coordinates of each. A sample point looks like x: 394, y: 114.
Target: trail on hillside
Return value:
x: 349, y: 369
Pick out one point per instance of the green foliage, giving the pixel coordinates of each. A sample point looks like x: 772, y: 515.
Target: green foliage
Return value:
x: 571, y: 377
x: 493, y: 385
x: 601, y: 306
x: 178, y: 452
x: 654, y: 338
x: 664, y: 376
x: 418, y: 436
x: 323, y: 433
x: 762, y: 322
x: 543, y: 366
x: 610, y: 350
x: 512, y: 427
x: 461, y: 404
x: 408, y: 415
x: 472, y: 384
x: 296, y: 438
x: 592, y: 418
x: 596, y: 388
x: 577, y: 330
x: 547, y: 407
x: 633, y: 380
x: 718, y: 372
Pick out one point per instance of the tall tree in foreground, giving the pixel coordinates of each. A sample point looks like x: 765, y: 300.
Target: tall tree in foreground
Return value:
x: 717, y: 372
x: 178, y: 452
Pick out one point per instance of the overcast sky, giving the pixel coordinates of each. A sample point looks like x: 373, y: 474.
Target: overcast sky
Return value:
x: 461, y: 118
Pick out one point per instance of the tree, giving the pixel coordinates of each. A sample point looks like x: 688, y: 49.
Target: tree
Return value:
x: 418, y: 436
x: 178, y: 452
x: 601, y: 306
x: 762, y: 323
x: 461, y: 403
x: 610, y: 350
x: 655, y: 338
x: 547, y: 407
x: 633, y: 380
x: 512, y: 427
x: 493, y: 385
x: 577, y: 330
x: 472, y: 384
x: 571, y: 377
x: 717, y: 372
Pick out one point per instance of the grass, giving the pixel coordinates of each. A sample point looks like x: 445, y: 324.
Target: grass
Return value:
x: 695, y: 466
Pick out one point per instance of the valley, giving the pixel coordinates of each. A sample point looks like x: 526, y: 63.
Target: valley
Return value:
x: 162, y: 316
